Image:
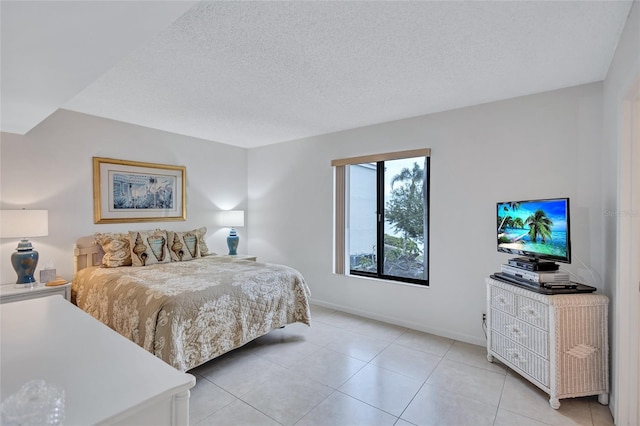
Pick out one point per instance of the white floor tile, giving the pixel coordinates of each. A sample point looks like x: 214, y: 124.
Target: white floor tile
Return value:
x: 409, y: 362
x: 433, y: 406
x: 320, y: 311
x: 342, y: 410
x: 286, y: 349
x: 385, y: 375
x: 474, y: 355
x: 601, y: 414
x: 425, y: 342
x: 521, y: 397
x: 379, y: 330
x: 507, y: 418
x: 238, y: 413
x: 288, y: 397
x: 239, y: 375
x: 466, y: 380
x: 384, y: 389
x: 342, y: 319
x: 402, y: 422
x: 355, y: 345
x: 322, y: 334
x: 328, y: 367
x: 206, y: 398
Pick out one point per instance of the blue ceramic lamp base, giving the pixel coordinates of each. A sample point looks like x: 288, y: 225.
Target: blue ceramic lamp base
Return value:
x: 232, y: 242
x: 24, y: 261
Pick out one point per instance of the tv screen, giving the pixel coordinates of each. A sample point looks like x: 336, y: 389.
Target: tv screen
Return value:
x: 536, y: 229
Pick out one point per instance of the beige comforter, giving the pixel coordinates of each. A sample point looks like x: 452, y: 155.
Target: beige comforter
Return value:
x: 187, y: 313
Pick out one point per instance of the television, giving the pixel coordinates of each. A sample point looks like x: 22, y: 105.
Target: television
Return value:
x: 536, y: 229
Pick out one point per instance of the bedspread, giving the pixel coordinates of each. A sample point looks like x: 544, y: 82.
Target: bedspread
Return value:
x: 187, y: 313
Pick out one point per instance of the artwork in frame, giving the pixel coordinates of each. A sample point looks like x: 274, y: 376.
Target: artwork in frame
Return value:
x: 133, y: 191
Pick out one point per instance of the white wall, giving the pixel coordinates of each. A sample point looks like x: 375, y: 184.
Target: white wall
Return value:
x: 544, y: 145
x: 51, y: 168
x: 624, y: 68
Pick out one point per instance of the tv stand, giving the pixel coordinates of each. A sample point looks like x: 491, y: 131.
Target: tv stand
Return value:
x: 557, y: 342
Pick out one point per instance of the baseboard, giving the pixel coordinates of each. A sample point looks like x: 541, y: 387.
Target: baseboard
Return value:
x: 402, y: 323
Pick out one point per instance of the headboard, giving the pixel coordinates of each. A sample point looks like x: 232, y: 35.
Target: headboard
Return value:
x: 86, y: 252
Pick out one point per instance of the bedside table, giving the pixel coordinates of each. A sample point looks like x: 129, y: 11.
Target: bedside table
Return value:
x: 10, y: 293
x: 240, y: 256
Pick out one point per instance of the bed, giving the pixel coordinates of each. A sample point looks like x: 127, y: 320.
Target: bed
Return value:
x: 189, y: 312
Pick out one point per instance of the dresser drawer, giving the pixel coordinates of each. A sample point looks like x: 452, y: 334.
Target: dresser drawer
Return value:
x: 533, y: 312
x: 503, y: 300
x: 530, y: 337
x: 529, y: 363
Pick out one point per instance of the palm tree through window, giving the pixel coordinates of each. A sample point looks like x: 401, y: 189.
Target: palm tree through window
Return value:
x: 388, y: 219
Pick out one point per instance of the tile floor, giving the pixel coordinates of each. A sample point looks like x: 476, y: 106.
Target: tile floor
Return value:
x: 347, y: 370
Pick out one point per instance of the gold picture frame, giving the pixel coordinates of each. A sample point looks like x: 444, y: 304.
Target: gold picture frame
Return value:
x: 133, y: 191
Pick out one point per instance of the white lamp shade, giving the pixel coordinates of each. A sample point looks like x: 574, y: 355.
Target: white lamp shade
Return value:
x: 231, y: 218
x: 24, y: 223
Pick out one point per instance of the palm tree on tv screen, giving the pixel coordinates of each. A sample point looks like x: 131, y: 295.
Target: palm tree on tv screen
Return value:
x: 518, y: 223
x: 539, y: 225
x: 513, y: 207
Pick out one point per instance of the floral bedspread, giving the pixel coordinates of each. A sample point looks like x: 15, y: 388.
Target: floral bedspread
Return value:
x: 187, y: 313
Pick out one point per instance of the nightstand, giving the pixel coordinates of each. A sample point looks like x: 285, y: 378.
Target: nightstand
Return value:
x: 10, y: 293
x: 240, y: 256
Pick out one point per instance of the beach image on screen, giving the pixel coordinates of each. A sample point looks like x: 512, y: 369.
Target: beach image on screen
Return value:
x: 533, y: 227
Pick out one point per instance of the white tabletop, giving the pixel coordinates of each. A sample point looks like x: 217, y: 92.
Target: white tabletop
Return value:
x: 103, y: 374
x: 12, y: 288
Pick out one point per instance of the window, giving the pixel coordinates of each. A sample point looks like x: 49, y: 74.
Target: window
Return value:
x: 382, y: 206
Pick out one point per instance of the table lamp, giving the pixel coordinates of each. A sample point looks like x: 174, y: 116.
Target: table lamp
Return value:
x: 24, y: 224
x: 232, y: 218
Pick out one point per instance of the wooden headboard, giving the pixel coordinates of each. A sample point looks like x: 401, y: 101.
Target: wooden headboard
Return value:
x: 86, y: 252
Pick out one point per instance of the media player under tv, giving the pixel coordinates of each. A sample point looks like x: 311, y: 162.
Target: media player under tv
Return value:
x: 533, y: 265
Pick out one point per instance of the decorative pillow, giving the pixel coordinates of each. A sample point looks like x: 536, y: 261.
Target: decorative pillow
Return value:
x: 183, y: 245
x: 202, y: 243
x: 117, y: 251
x: 149, y: 247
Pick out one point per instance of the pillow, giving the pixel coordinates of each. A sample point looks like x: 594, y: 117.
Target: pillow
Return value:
x: 117, y: 251
x: 149, y: 247
x: 202, y: 244
x: 183, y: 245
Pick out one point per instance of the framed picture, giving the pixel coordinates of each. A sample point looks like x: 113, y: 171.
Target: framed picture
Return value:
x: 132, y: 191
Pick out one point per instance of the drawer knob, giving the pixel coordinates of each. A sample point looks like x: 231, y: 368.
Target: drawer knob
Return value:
x: 515, y: 331
x: 530, y: 312
x: 518, y: 358
x: 502, y: 301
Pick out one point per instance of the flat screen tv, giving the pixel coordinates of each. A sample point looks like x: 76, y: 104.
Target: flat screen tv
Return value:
x: 536, y: 229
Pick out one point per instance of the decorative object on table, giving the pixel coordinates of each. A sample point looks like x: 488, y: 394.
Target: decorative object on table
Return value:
x: 232, y: 218
x: 47, y: 275
x: 36, y: 403
x: 132, y: 191
x: 56, y: 282
x: 24, y: 224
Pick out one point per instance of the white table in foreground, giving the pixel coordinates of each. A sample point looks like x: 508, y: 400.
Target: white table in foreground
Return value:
x: 107, y: 378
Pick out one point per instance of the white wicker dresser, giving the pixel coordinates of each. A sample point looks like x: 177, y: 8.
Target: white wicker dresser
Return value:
x: 559, y: 342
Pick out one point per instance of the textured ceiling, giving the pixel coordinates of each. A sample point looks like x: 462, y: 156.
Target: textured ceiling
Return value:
x: 51, y: 50
x: 255, y: 73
